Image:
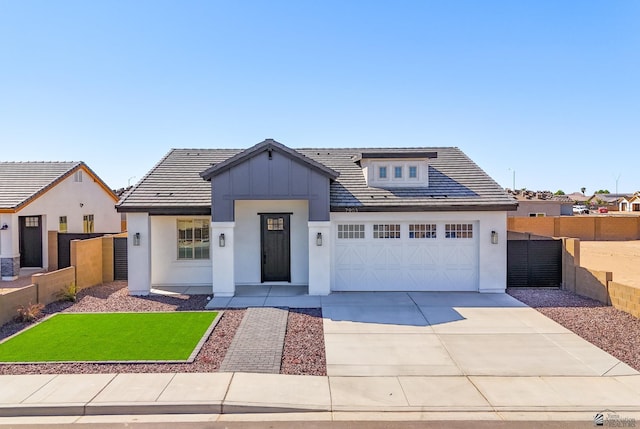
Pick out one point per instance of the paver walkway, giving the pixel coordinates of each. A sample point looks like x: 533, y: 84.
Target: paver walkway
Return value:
x: 258, y: 343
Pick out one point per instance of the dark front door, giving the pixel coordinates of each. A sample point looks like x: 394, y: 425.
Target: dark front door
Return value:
x: 276, y: 247
x: 30, y: 241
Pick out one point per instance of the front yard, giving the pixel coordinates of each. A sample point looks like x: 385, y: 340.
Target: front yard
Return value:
x: 77, y: 337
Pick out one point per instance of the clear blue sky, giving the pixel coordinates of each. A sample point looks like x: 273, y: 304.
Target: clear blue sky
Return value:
x: 548, y: 89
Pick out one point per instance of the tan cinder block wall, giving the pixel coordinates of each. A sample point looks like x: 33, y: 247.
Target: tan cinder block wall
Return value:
x: 570, y: 260
x: 581, y: 227
x: 107, y: 258
x: 50, y: 284
x: 9, y: 302
x: 619, y: 228
x: 534, y: 225
x: 86, y: 256
x: 593, y: 284
x: 587, y: 228
x: 625, y: 298
x: 52, y: 248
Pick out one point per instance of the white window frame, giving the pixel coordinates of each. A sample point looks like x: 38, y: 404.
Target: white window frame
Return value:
x: 386, y: 231
x: 348, y: 231
x: 456, y: 231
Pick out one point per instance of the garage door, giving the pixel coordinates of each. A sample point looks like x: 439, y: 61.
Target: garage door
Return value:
x: 408, y: 256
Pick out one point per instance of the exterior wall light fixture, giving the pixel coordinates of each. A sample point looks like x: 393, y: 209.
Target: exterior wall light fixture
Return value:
x: 319, y: 239
x: 4, y: 227
x: 494, y: 237
x: 221, y: 242
x: 136, y: 239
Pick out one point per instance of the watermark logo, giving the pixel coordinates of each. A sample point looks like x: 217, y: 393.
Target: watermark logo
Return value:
x: 609, y: 418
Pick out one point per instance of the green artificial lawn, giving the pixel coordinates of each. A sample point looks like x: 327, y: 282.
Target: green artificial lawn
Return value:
x: 76, y: 337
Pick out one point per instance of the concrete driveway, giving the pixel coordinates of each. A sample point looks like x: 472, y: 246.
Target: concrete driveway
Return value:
x: 452, y: 334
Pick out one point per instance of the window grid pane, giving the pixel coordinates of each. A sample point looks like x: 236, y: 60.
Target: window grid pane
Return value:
x: 275, y: 224
x: 31, y: 222
x: 397, y: 172
x: 382, y: 172
x: 350, y: 231
x: 458, y: 230
x: 413, y: 172
x: 422, y: 230
x: 386, y: 231
x: 193, y: 239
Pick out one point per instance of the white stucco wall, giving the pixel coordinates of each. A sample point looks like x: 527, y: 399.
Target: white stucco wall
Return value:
x: 74, y: 200
x: 167, y: 270
x: 247, y: 239
x: 492, y: 271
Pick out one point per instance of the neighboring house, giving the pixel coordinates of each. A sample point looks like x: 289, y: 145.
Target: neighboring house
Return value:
x: 540, y: 203
x: 420, y: 219
x: 610, y: 201
x: 630, y: 203
x: 579, y: 198
x: 36, y: 197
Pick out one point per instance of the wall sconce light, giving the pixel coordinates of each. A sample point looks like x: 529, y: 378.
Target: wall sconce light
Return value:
x: 319, y: 239
x: 494, y: 237
x: 136, y: 239
x: 221, y: 242
x: 4, y: 227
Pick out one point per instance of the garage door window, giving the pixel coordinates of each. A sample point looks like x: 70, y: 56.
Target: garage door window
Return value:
x: 350, y: 231
x: 422, y: 230
x: 386, y: 231
x: 458, y: 230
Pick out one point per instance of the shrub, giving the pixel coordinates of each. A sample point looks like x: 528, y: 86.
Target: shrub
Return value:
x: 29, y: 313
x: 68, y: 293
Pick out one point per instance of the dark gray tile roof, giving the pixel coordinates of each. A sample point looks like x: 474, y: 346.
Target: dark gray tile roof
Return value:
x: 455, y: 183
x: 21, y: 182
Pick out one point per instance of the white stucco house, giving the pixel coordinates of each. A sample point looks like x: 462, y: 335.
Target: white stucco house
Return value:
x: 363, y: 219
x: 630, y: 203
x: 37, y: 197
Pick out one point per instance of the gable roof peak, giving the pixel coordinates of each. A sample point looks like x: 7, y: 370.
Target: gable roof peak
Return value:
x: 267, y: 145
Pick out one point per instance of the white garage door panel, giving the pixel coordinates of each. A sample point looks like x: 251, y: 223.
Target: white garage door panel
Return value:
x: 406, y: 264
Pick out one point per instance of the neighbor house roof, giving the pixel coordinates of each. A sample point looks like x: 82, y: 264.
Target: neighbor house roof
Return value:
x: 23, y: 182
x: 175, y: 184
x: 539, y: 196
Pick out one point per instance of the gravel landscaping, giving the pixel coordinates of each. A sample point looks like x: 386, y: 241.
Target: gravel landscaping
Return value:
x: 612, y: 330
x: 304, y: 341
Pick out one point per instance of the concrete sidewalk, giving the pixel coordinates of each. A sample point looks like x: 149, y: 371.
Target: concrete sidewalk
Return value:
x: 484, y: 397
x: 454, y: 356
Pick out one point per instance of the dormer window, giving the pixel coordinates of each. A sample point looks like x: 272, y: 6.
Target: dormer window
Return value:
x: 396, y: 169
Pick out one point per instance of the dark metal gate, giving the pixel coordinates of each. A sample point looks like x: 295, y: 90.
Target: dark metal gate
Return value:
x: 120, y: 265
x: 534, y: 263
x: 64, y: 246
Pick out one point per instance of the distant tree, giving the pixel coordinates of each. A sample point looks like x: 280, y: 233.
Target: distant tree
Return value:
x: 559, y: 192
x: 603, y: 191
x: 583, y: 189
